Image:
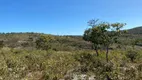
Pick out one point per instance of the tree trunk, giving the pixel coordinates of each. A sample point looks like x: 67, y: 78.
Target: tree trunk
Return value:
x: 96, y: 49
x: 107, y: 50
x: 108, y: 78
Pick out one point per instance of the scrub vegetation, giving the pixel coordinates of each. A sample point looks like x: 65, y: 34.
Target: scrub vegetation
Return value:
x: 104, y: 52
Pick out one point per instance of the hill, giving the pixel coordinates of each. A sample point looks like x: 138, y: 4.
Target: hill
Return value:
x: 61, y: 43
x: 27, y: 41
x: 69, y: 58
x: 136, y: 30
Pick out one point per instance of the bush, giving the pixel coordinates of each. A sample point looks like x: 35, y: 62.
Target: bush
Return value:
x: 1, y: 43
x: 43, y: 42
x: 90, y: 62
x: 132, y: 55
x: 85, y: 60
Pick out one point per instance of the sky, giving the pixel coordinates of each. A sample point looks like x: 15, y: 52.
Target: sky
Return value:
x: 66, y: 17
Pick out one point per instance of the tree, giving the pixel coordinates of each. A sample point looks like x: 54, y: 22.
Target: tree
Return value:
x: 110, y: 37
x: 92, y: 35
x: 103, y: 33
x: 87, y: 36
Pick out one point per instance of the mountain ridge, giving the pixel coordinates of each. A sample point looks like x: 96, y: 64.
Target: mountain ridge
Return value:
x: 135, y: 30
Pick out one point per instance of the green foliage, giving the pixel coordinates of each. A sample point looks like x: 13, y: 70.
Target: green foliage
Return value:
x: 59, y: 64
x: 17, y: 64
x: 86, y: 61
x: 99, y: 34
x: 132, y: 55
x: 37, y: 63
x: 1, y: 43
x: 89, y: 62
x: 61, y: 56
x: 43, y: 42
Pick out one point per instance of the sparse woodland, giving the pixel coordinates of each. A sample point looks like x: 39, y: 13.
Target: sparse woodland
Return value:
x: 104, y: 52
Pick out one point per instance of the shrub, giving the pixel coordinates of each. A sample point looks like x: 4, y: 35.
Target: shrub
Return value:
x: 1, y: 43
x: 132, y: 55
x: 43, y: 42
x: 89, y: 62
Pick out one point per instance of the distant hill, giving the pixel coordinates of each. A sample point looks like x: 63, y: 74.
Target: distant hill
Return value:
x: 61, y: 43
x: 27, y: 41
x: 136, y: 30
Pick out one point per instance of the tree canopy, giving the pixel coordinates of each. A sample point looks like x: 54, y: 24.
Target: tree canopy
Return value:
x: 103, y: 33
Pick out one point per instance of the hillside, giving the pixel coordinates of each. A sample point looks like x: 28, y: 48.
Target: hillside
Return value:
x: 68, y: 58
x: 27, y: 41
x: 60, y: 43
x: 136, y: 30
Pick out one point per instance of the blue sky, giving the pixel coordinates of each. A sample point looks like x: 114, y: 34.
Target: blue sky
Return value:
x: 66, y: 17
